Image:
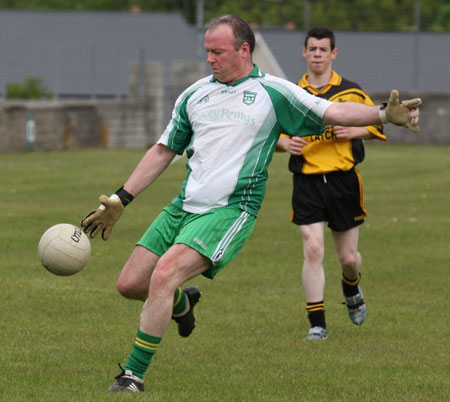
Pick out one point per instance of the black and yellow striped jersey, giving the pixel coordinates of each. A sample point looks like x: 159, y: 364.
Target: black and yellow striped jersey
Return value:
x: 324, y: 153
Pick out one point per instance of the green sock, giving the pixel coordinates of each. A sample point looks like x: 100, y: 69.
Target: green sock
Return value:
x: 144, y: 347
x: 179, y: 303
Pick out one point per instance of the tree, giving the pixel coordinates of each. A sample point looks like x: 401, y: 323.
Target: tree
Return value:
x: 441, y: 21
x: 32, y: 88
x: 340, y: 15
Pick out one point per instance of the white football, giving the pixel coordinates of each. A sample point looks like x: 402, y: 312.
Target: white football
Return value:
x: 64, y: 249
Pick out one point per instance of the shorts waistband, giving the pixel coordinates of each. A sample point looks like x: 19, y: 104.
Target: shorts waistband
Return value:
x: 327, y: 174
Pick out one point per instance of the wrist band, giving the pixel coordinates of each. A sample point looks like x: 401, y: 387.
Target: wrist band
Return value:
x: 382, y: 113
x: 124, y: 196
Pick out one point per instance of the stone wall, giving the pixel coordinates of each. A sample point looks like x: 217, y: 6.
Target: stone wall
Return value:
x: 134, y: 122
x: 434, y: 120
x: 138, y: 123
x: 77, y: 124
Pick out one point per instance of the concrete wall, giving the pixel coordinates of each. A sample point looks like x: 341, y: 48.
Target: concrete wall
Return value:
x: 134, y: 122
x: 76, y: 124
x: 434, y: 120
x: 138, y: 123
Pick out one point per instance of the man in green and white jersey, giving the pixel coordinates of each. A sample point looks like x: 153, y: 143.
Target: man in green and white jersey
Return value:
x: 228, y: 124
x: 236, y: 128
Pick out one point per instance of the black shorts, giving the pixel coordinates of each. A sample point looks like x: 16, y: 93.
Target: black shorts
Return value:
x: 336, y: 198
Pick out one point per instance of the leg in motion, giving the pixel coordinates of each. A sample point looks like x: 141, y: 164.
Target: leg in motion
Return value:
x: 347, y: 248
x: 313, y: 278
x: 183, y: 311
x: 179, y: 264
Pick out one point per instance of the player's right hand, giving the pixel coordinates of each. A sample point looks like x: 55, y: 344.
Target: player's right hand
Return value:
x: 104, y: 218
x: 295, y: 145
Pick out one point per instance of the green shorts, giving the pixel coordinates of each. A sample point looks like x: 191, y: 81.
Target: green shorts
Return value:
x: 218, y: 234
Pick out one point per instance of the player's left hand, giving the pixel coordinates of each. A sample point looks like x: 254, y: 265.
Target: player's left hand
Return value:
x: 104, y: 218
x: 344, y: 133
x: 401, y: 113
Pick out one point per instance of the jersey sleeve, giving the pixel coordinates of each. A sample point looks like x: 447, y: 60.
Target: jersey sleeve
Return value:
x: 178, y: 132
x: 298, y: 112
x: 376, y: 129
x: 351, y: 91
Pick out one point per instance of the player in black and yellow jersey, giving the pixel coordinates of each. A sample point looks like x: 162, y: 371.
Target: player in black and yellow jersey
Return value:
x: 327, y: 187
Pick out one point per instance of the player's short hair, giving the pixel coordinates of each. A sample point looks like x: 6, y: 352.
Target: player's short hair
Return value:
x: 321, y: 33
x: 241, y: 30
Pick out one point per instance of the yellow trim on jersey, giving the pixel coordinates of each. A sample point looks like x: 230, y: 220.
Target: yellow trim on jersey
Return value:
x: 335, y: 80
x: 324, y: 153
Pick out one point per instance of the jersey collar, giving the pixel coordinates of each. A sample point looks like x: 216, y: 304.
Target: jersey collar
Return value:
x: 335, y: 80
x: 256, y: 72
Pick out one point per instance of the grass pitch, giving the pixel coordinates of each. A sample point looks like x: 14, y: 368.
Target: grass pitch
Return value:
x: 61, y: 337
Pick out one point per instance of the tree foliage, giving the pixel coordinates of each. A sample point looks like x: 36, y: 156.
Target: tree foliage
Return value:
x: 343, y: 15
x: 32, y: 88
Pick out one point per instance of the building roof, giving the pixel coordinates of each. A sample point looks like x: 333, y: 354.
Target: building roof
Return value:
x: 378, y: 61
x: 89, y: 53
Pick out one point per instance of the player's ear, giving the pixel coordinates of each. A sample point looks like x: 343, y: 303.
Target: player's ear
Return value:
x: 245, y: 48
x: 334, y: 53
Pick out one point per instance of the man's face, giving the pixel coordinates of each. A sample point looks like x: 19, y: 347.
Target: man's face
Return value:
x: 318, y: 55
x: 226, y: 62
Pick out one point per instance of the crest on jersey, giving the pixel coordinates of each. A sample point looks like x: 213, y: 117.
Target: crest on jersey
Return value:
x: 249, y: 97
x: 205, y: 99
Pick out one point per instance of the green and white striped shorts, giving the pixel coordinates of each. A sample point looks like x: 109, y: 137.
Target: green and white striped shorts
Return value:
x: 218, y: 234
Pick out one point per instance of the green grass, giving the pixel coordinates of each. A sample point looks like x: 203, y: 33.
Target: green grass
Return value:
x: 61, y: 337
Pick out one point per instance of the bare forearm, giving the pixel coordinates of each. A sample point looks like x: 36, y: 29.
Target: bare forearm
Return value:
x: 154, y: 162
x: 282, y: 144
x: 352, y: 114
x: 365, y: 135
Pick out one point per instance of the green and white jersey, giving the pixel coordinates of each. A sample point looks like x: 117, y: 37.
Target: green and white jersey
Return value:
x: 230, y: 133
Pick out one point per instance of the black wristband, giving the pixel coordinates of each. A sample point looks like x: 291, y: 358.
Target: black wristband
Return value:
x: 124, y: 196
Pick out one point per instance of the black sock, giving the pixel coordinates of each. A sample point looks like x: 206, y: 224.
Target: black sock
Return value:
x: 350, y: 287
x: 316, y: 314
